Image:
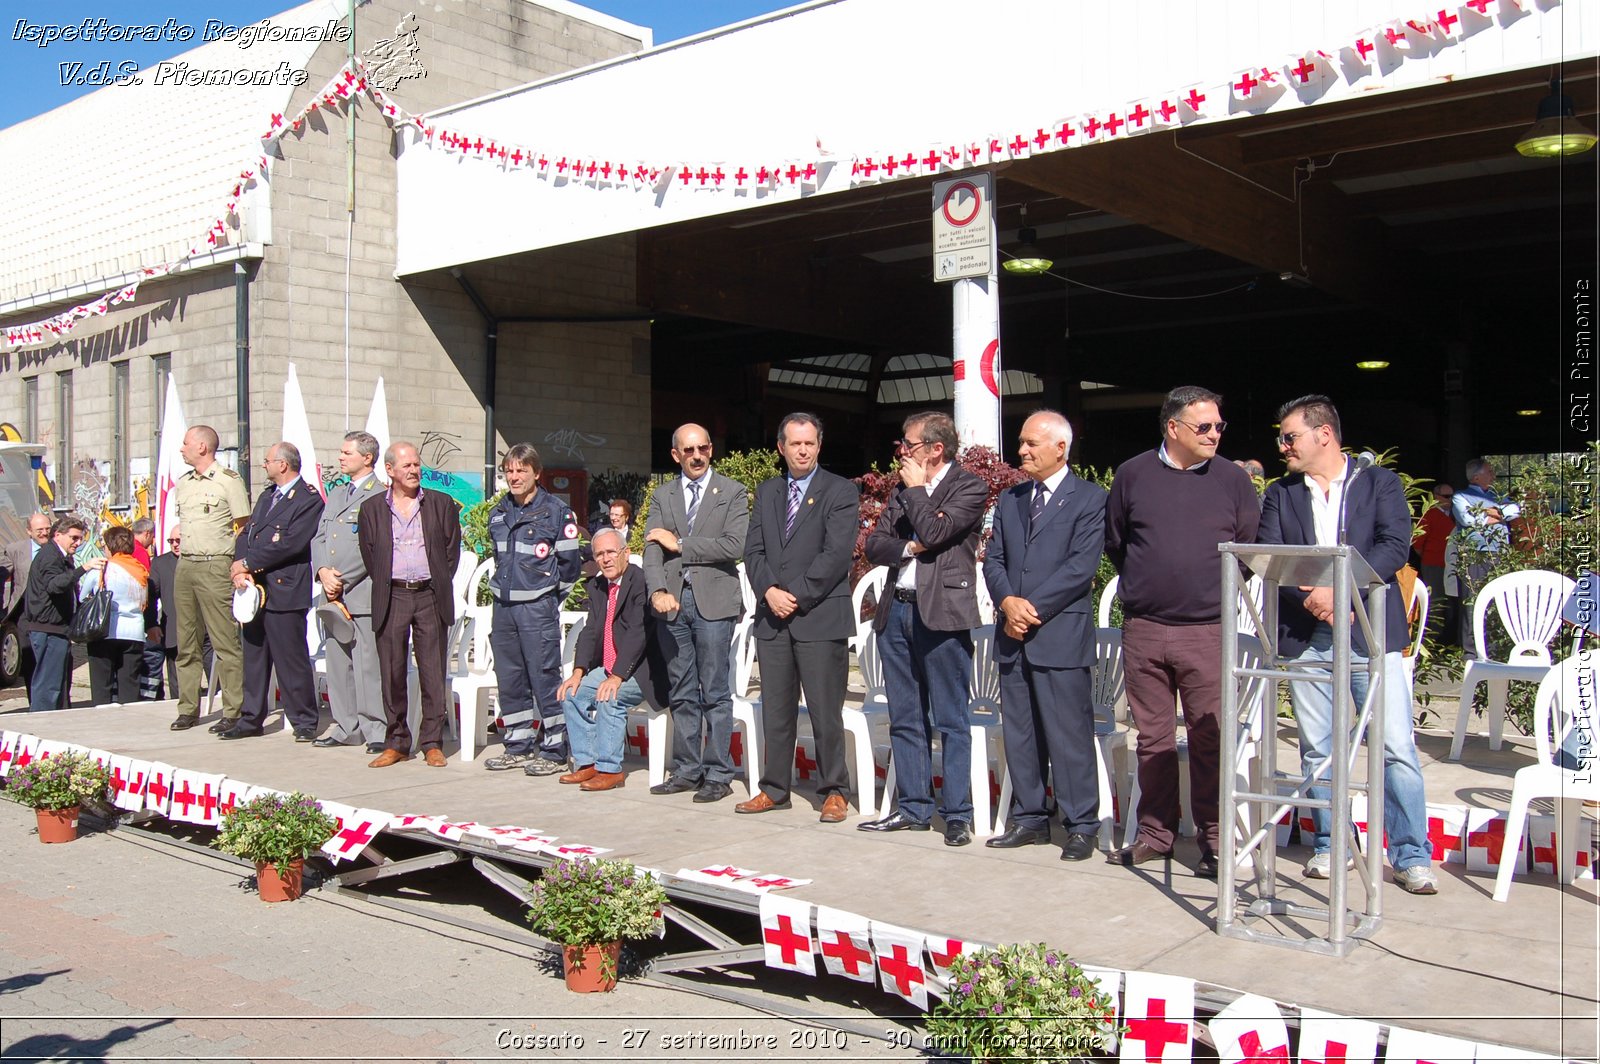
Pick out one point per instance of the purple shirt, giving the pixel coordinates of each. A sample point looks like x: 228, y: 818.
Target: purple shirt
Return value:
x: 410, y: 557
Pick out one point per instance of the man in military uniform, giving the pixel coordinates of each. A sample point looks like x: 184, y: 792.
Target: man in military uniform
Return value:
x: 213, y: 506
x: 535, y: 538
x: 354, y: 682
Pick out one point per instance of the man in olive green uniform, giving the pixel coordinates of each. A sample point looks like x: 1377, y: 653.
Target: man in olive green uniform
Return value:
x: 213, y: 506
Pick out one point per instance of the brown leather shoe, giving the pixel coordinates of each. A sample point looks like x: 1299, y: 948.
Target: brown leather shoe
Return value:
x: 834, y: 809
x: 760, y: 804
x: 582, y: 775
x: 603, y: 781
x: 387, y: 758
x: 434, y: 757
x: 1139, y: 853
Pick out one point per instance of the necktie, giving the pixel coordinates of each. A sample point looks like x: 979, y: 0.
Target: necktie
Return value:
x: 794, y: 508
x: 272, y: 504
x: 1039, y: 492
x: 694, y: 506
x: 608, y: 647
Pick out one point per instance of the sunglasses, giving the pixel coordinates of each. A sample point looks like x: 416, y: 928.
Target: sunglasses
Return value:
x: 174, y: 541
x: 911, y: 445
x: 704, y: 448
x: 1204, y: 427
x: 1288, y: 438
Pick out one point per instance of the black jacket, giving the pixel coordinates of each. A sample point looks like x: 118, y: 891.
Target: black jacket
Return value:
x: 52, y: 590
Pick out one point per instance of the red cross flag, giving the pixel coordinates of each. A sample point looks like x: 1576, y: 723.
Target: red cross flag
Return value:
x: 763, y: 882
x: 158, y: 788
x: 577, y: 851
x: 1250, y: 1030
x: 899, y: 956
x: 8, y: 749
x: 195, y: 797
x: 1486, y: 836
x: 52, y: 747
x: 786, y: 934
x: 942, y: 953
x: 505, y: 835
x: 805, y: 766
x: 1109, y: 980
x: 1446, y: 828
x: 232, y: 794
x: 1198, y: 101
x: 846, y: 944
x: 1308, y: 73
x: 723, y: 875
x: 1399, y: 37
x: 1140, y: 117
x: 26, y: 751
x: 127, y: 782
x: 536, y: 844
x: 1159, y: 1012
x: 1329, y: 1039
x: 101, y: 758
x: 415, y: 822
x: 357, y: 829
x: 1419, y: 1047
x: 451, y: 830
x: 1542, y: 840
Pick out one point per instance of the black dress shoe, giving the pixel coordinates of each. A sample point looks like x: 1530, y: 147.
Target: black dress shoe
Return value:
x: 895, y: 821
x: 957, y: 833
x: 184, y: 723
x: 675, y: 785
x: 712, y: 791
x: 1079, y: 847
x: 1016, y: 835
x: 304, y: 735
x: 222, y: 725
x: 239, y: 731
x: 1139, y: 853
x: 375, y: 748
x: 327, y: 742
x: 1207, y: 868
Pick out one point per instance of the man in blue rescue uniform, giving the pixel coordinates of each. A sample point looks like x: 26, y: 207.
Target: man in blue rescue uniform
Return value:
x: 535, y: 539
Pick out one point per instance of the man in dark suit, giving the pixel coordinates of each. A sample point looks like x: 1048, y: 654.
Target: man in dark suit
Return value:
x: 1327, y: 500
x: 274, y: 551
x: 410, y: 543
x: 611, y: 670
x: 1048, y: 535
x: 928, y: 537
x: 797, y: 557
x: 52, y: 598
x: 161, y: 620
x: 19, y: 555
x: 693, y: 542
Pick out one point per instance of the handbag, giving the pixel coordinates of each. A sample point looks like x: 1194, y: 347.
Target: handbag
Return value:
x: 91, y: 622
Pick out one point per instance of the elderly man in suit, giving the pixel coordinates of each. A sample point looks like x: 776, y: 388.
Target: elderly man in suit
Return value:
x: 797, y: 557
x: 1327, y: 500
x: 352, y: 663
x: 928, y: 537
x: 410, y: 543
x: 610, y: 670
x: 161, y: 621
x: 274, y: 552
x: 694, y: 539
x: 19, y: 555
x: 1048, y: 535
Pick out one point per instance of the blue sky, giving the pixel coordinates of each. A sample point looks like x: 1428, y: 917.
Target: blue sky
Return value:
x: 31, y: 76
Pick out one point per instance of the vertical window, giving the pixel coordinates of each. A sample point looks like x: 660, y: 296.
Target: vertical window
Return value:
x: 162, y: 364
x: 63, y: 470
x: 119, y: 434
x: 30, y: 409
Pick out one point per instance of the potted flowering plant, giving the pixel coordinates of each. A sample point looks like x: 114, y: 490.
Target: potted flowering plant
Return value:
x: 278, y: 832
x: 56, y: 787
x: 1022, y: 1002
x: 589, y: 907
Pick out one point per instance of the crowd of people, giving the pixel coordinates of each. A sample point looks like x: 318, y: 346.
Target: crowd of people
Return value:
x: 238, y: 583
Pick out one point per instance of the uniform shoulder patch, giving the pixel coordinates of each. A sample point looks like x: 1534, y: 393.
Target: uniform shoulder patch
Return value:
x: 229, y: 473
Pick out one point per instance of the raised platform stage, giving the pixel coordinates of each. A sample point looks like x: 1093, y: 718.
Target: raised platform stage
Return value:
x: 1521, y: 974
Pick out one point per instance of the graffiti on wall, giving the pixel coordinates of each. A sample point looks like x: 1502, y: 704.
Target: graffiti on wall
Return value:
x: 570, y: 442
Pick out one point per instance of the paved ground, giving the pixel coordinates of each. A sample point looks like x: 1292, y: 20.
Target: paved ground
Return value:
x: 114, y: 948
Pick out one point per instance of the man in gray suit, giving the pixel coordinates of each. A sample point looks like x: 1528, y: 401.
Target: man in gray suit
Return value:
x: 354, y: 683
x: 18, y: 563
x: 693, y: 542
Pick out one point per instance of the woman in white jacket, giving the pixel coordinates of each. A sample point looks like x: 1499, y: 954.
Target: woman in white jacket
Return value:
x: 114, y: 661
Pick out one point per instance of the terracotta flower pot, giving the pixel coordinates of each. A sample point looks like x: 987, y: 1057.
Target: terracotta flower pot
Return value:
x: 58, y: 825
x: 591, y: 968
x: 279, y: 886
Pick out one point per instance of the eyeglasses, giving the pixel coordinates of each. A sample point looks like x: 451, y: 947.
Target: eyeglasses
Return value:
x: 1204, y: 427
x: 704, y: 448
x: 1288, y: 438
x: 174, y: 541
x: 911, y: 445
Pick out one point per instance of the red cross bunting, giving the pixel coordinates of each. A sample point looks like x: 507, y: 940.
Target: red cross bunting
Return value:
x: 897, y: 966
x: 1018, y: 145
x: 931, y: 160
x: 1491, y: 838
x: 1394, y: 36
x: 953, y: 949
x: 1114, y: 123
x: 1480, y: 6
x: 703, y: 176
x: 516, y: 157
x: 763, y: 174
x: 1138, y: 116
x: 843, y: 949
x: 1246, y: 84
x: 890, y: 164
x: 639, y: 740
x: 803, y: 763
x: 117, y: 782
x: 591, y: 169
x: 717, y: 176
x: 561, y: 165
x: 135, y: 782
x: 355, y: 837
x: 277, y: 121
x: 1093, y: 127
x: 158, y: 788
x: 444, y: 827
x: 1194, y: 100
x: 1156, y: 1031
x: 544, y: 162
x: 208, y: 802
x: 952, y: 154
x: 477, y: 145
x: 1423, y: 29
x: 1041, y: 139
x: 908, y: 162
x: 740, y: 176
x: 605, y: 169
x: 184, y: 797
x: 1251, y: 1052
x: 792, y: 174
x: 581, y: 851
x: 1335, y: 1054
x: 869, y: 167
x: 1066, y: 133
x: 1447, y: 21
x: 1303, y: 70
x: 786, y: 938
x: 974, y: 149
x: 726, y: 870
x: 1443, y: 842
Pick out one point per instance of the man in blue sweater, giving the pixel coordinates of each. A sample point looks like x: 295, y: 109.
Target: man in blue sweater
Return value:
x: 1168, y: 510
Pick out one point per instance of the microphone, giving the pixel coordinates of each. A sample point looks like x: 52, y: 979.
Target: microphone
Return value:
x: 1364, y: 461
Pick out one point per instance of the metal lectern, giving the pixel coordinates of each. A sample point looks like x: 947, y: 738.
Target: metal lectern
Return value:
x: 1343, y: 569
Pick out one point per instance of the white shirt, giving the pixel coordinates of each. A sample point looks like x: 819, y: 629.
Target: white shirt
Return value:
x: 1161, y: 453
x: 1325, y: 508
x: 908, y: 572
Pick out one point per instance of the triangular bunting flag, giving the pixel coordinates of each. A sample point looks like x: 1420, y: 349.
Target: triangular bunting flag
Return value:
x: 898, y: 951
x: 845, y: 941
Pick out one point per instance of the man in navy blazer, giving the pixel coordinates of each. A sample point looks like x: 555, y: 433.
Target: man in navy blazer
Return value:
x: 797, y: 557
x: 1048, y: 535
x: 274, y: 550
x: 1326, y: 500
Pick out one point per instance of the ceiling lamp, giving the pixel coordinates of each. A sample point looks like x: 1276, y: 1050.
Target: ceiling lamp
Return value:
x: 1027, y: 259
x: 1372, y: 365
x: 1555, y: 131
x: 1529, y: 413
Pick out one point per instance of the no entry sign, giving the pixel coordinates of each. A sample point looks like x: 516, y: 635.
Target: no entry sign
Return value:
x: 963, y: 227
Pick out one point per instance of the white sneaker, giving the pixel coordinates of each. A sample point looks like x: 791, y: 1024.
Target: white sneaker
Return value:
x: 1321, y: 865
x: 1418, y: 879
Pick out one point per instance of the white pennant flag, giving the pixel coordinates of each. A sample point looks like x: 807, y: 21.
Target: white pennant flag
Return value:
x: 195, y: 796
x: 845, y: 942
x: 158, y: 788
x: 765, y: 881
x: 577, y: 851
x: 1159, y: 1012
x: 51, y: 747
x: 297, y: 430
x: 415, y: 822
x: 1419, y: 1047
x: 1446, y: 830
x: 1250, y: 1028
x: 356, y: 830
x: 127, y: 782
x: 26, y: 750
x: 1542, y: 841
x: 942, y: 954
x: 232, y: 794
x: 1486, y: 836
x: 101, y: 758
x: 169, y: 466
x: 786, y: 934
x: 378, y: 427
x: 1329, y: 1039
x: 899, y: 955
x: 8, y: 750
x: 1109, y: 980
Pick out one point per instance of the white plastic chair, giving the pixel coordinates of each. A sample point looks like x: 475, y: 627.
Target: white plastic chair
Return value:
x: 872, y: 582
x: 1565, y: 694
x: 1529, y: 605
x: 1108, y: 595
x: 746, y: 711
x: 1108, y: 687
x: 571, y: 630
x: 1421, y: 603
x: 472, y: 676
x: 857, y: 730
x: 747, y: 594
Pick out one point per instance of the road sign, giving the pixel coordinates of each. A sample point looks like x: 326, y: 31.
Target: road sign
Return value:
x: 963, y: 227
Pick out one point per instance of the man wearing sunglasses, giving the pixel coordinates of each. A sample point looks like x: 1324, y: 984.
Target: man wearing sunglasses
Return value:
x: 1168, y: 510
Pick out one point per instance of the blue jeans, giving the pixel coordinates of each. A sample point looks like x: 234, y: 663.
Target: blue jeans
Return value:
x: 702, y: 702
x: 926, y: 675
x: 596, y: 730
x: 52, y: 670
x: 1405, y: 811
